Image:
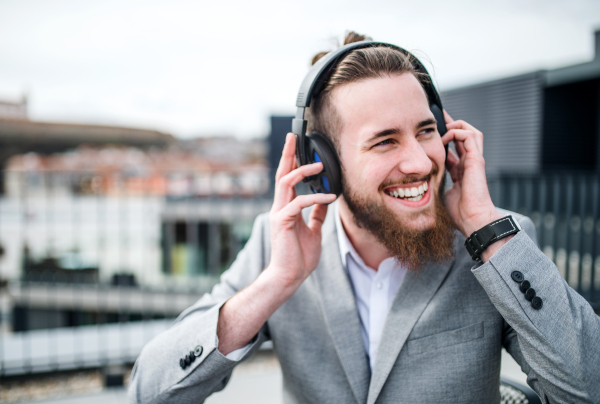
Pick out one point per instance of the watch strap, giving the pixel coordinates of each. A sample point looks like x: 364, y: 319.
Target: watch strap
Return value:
x: 489, y: 234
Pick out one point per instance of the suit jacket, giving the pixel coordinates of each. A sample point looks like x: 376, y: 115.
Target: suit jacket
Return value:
x: 441, y: 342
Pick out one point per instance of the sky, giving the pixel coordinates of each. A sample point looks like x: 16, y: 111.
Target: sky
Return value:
x: 206, y: 68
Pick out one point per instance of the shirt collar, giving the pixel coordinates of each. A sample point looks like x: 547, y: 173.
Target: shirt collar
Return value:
x: 346, y: 246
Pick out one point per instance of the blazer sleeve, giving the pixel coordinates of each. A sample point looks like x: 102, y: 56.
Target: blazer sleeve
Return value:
x: 157, y: 376
x: 557, y: 345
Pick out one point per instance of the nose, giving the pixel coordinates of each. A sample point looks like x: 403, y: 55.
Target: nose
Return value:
x: 413, y: 159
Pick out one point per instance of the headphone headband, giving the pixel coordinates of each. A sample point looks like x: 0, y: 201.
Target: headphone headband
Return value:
x: 316, y: 79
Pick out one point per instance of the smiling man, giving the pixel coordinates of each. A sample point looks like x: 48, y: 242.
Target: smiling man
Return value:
x: 374, y: 298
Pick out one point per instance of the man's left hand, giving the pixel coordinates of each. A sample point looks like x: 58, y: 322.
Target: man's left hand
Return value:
x: 468, y: 201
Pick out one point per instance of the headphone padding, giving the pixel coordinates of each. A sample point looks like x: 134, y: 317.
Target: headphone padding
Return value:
x: 320, y: 144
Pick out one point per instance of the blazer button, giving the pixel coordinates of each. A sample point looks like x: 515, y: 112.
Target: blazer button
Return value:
x: 192, y: 356
x: 524, y: 286
x: 198, y: 350
x: 537, y: 303
x: 517, y: 276
x: 182, y: 363
x: 530, y: 294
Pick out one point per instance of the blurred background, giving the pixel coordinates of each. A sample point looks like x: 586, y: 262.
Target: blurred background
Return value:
x: 139, y: 139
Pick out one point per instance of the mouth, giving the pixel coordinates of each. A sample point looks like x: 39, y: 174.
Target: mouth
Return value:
x: 410, y: 192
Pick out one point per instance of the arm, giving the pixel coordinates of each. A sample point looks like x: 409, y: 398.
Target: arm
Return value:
x: 558, y: 345
x: 236, y: 311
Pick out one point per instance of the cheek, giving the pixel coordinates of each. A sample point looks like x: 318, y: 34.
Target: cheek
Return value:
x: 363, y: 173
x: 437, y: 153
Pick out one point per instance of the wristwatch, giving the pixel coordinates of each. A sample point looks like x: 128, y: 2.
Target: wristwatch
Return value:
x: 482, y: 238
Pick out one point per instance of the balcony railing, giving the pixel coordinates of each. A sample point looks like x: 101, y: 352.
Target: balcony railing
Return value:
x: 564, y: 208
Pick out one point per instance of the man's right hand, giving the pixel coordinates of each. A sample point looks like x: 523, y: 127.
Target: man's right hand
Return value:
x: 295, y: 253
x: 295, y: 244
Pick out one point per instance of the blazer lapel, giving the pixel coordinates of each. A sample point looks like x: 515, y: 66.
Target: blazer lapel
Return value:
x: 341, y: 314
x: 415, y: 293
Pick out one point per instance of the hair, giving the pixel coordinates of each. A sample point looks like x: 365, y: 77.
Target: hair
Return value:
x: 360, y: 64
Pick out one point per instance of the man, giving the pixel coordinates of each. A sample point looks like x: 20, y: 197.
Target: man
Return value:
x: 375, y: 299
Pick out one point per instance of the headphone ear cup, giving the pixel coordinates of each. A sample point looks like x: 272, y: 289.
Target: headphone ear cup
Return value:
x: 320, y: 149
x: 441, y: 122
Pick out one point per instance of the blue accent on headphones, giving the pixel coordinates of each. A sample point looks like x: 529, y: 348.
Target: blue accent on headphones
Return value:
x: 325, y: 183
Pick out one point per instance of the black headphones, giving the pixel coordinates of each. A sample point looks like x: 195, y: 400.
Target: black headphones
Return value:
x: 316, y: 147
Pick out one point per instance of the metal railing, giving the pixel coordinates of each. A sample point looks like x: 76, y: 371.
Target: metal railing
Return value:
x: 564, y: 207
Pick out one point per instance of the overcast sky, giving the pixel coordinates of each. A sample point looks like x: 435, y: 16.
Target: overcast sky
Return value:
x: 222, y: 67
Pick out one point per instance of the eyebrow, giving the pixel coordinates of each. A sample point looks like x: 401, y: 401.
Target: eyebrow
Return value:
x: 394, y: 131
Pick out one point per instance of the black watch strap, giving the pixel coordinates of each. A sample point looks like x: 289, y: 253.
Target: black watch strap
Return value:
x: 482, y: 238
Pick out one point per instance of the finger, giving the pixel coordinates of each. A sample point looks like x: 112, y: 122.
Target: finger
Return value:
x: 290, y: 212
x: 450, y: 137
x: 288, y: 157
x: 462, y: 138
x: 447, y: 118
x: 316, y: 218
x: 284, y: 189
x: 452, y: 162
x: 460, y: 124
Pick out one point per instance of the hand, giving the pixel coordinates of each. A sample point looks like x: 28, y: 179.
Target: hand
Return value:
x: 295, y: 244
x: 468, y: 201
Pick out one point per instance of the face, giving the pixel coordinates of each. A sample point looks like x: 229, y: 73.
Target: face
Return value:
x: 393, y: 159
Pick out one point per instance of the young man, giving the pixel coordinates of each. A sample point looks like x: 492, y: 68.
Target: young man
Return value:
x: 374, y: 297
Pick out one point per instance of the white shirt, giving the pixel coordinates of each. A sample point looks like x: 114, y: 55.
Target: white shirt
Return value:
x: 374, y: 290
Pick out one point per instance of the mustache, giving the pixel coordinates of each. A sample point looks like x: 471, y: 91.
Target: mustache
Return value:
x: 409, y: 179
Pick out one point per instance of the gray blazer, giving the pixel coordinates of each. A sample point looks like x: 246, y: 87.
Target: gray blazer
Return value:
x: 441, y: 342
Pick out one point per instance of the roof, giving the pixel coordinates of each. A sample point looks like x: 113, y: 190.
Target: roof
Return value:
x: 16, y: 131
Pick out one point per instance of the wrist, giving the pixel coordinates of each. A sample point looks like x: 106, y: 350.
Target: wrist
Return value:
x: 278, y: 283
x: 483, y: 243
x: 477, y: 222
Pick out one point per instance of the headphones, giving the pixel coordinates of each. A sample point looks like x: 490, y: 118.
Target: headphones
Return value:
x: 315, y: 147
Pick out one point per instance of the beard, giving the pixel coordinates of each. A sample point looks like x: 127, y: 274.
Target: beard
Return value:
x: 411, y: 247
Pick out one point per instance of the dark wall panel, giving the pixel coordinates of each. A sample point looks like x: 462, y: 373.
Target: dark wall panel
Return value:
x: 509, y: 113
x: 571, y: 126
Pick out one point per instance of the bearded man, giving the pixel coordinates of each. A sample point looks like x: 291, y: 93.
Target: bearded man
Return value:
x: 374, y: 298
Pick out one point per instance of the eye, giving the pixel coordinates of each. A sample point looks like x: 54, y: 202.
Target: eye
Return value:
x: 426, y: 132
x: 384, y: 142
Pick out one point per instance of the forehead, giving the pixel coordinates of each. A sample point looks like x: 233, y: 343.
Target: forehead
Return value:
x: 372, y: 105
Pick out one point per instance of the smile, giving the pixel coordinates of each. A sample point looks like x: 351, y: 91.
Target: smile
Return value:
x: 412, y: 193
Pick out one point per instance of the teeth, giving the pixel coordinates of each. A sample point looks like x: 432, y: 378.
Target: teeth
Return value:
x: 410, y: 194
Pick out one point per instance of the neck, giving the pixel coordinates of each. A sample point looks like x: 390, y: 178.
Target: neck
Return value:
x: 366, y: 245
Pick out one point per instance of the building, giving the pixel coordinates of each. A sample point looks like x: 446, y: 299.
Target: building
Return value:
x: 542, y: 152
x: 536, y: 122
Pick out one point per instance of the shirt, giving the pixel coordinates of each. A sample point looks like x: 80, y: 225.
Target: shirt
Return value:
x: 374, y: 290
